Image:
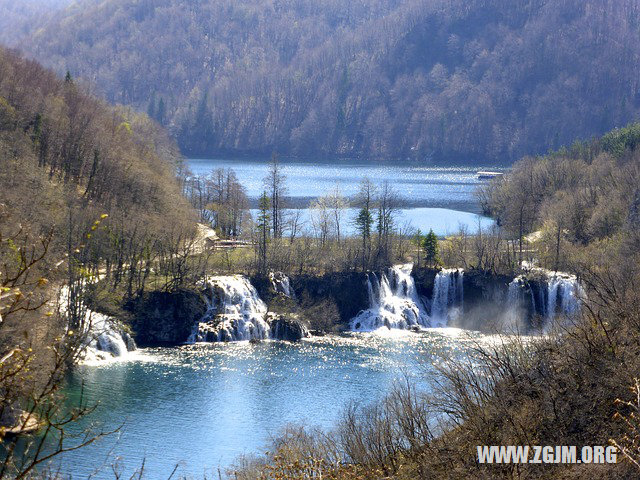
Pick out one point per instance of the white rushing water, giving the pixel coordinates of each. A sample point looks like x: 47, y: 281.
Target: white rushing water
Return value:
x: 564, y: 296
x: 520, y: 302
x: 393, y: 302
x: 281, y: 284
x: 515, y: 294
x: 235, y: 312
x: 530, y: 303
x: 448, y: 297
x: 548, y: 295
x: 105, y: 338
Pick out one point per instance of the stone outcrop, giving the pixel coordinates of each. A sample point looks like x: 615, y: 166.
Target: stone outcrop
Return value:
x: 287, y: 327
x: 347, y: 290
x: 424, y: 279
x: 166, y: 318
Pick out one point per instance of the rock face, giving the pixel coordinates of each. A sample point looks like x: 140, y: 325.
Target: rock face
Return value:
x: 325, y: 302
x: 166, y: 318
x: 484, y: 301
x: 424, y: 279
x: 348, y: 290
x: 480, y: 287
x: 16, y: 421
x: 287, y: 328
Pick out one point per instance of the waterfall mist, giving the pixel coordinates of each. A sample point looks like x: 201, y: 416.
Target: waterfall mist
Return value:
x: 530, y: 303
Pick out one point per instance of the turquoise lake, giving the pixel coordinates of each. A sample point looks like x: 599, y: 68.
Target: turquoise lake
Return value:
x: 202, y: 406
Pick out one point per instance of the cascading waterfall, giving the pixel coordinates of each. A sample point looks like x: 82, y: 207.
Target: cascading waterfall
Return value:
x: 520, y: 301
x: 393, y: 302
x: 448, y: 297
x: 551, y: 294
x: 515, y: 300
x: 531, y: 301
x: 281, y: 284
x: 564, y: 296
x: 105, y: 339
x: 235, y: 312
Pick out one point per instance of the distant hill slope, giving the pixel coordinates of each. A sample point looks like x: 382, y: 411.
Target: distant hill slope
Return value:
x: 446, y: 80
x: 20, y: 18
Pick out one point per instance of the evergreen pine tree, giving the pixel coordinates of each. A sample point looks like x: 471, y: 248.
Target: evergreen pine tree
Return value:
x: 430, y: 246
x: 161, y: 112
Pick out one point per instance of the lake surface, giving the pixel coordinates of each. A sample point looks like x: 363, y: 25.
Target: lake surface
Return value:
x: 438, y: 198
x: 442, y: 221
x: 201, y: 406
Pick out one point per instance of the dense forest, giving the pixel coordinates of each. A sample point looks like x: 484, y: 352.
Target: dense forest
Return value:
x: 428, y: 80
x: 579, y: 198
x: 18, y: 19
x: 83, y: 160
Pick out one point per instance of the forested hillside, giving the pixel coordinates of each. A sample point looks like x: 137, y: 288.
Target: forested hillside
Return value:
x: 444, y: 80
x: 21, y: 18
x: 586, y: 197
x: 68, y: 164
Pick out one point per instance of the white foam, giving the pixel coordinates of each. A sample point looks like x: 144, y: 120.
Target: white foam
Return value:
x: 393, y: 302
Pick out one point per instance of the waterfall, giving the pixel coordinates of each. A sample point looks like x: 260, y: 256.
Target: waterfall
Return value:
x: 550, y: 294
x: 564, y: 296
x: 235, y: 312
x: 281, y: 284
x: 393, y: 302
x: 448, y: 296
x: 105, y: 339
x: 515, y: 298
x: 520, y: 301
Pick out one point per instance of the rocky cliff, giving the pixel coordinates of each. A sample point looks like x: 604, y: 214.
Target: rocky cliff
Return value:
x: 166, y: 318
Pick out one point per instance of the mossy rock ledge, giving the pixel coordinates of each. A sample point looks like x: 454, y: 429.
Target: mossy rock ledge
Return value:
x: 166, y: 318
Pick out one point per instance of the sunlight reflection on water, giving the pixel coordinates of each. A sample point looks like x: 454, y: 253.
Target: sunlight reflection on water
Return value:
x: 205, y: 404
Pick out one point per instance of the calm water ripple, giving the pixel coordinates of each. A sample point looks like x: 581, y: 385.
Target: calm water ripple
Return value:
x: 203, y: 405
